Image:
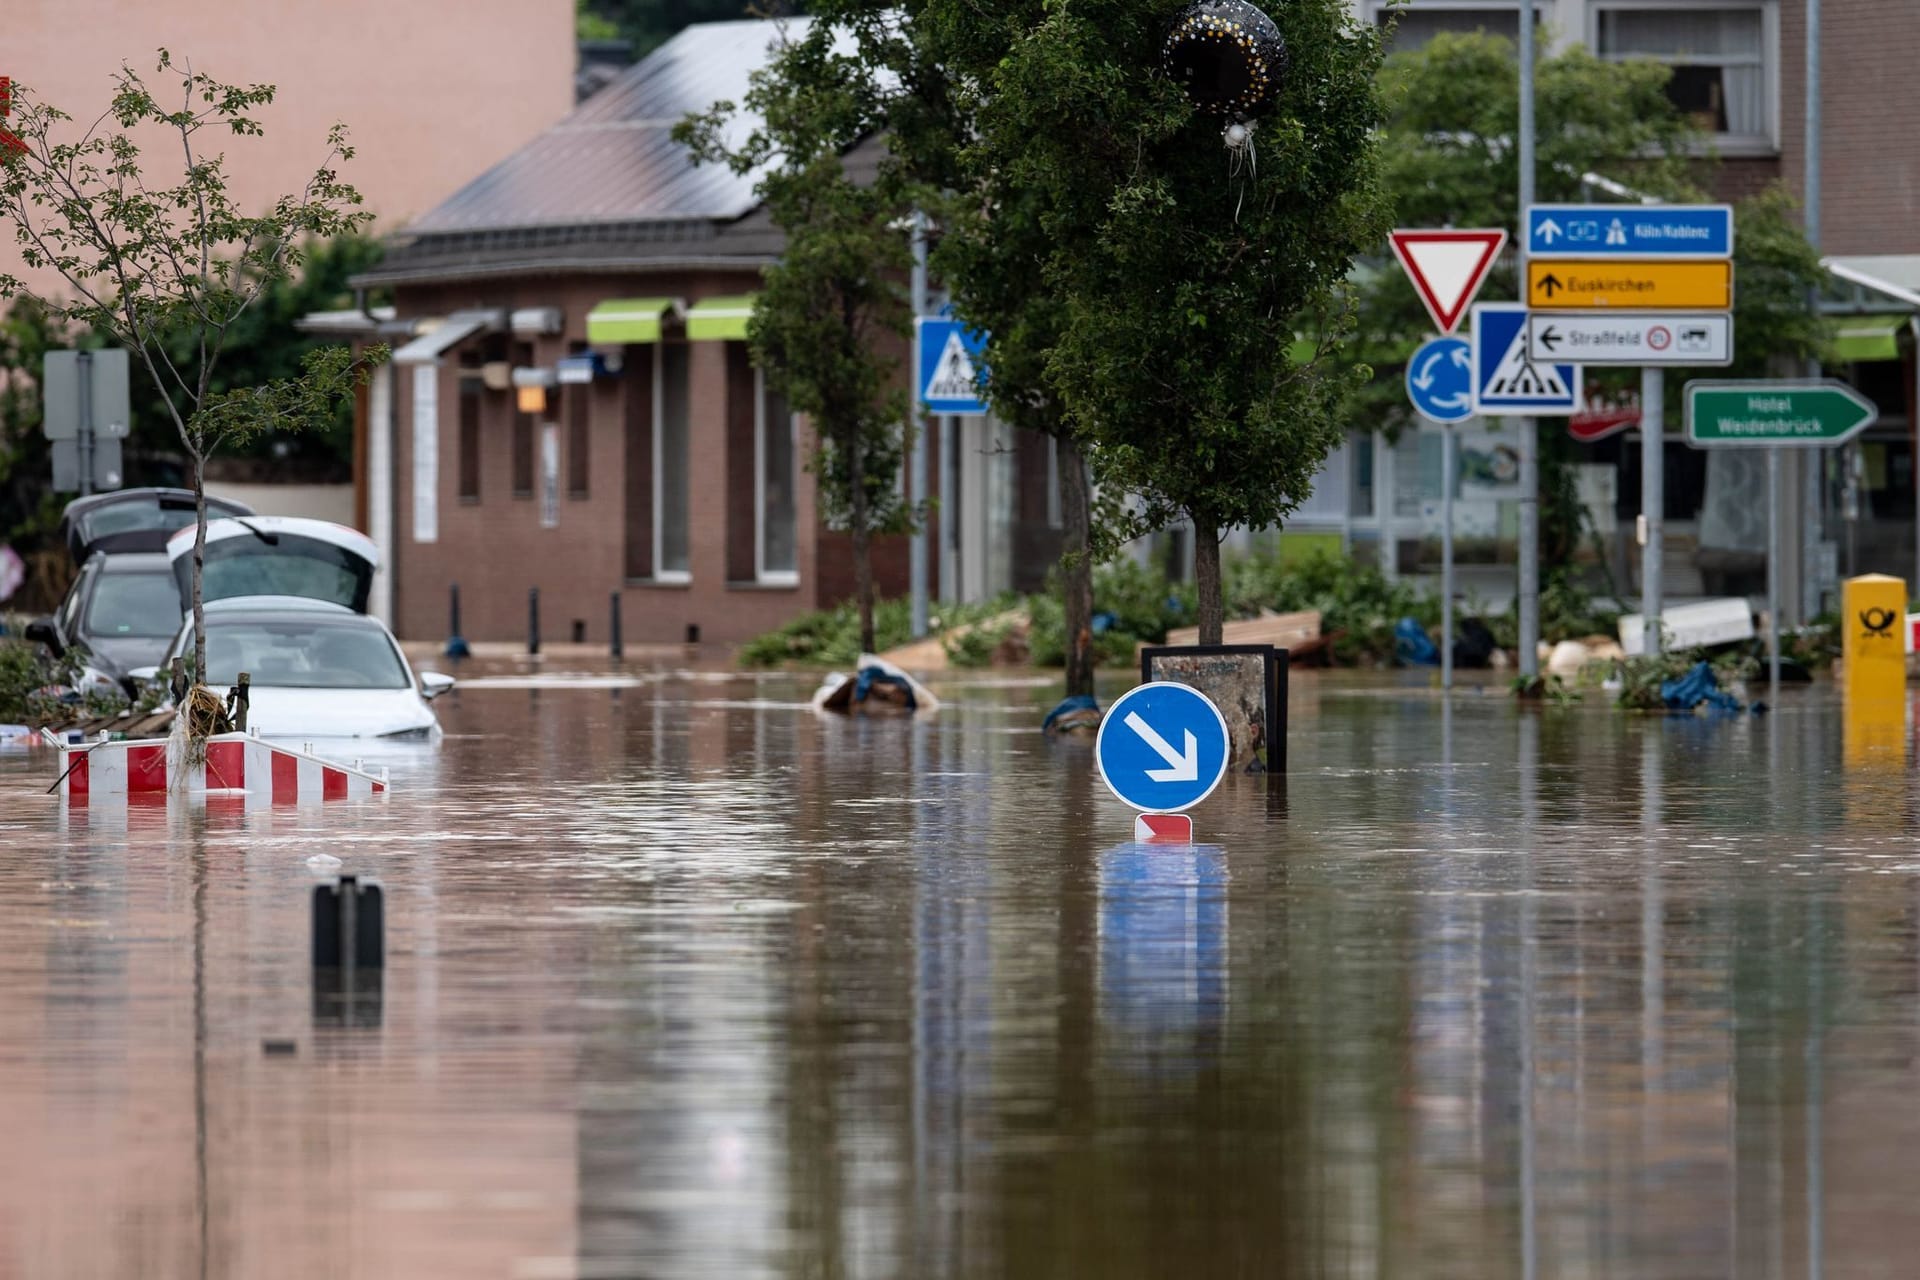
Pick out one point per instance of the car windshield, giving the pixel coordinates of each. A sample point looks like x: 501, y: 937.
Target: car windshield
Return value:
x: 134, y: 604
x: 301, y: 653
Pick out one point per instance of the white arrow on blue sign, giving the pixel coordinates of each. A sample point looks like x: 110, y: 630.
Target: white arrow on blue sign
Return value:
x: 1162, y: 747
x: 1629, y: 231
x: 1440, y: 380
x: 950, y: 360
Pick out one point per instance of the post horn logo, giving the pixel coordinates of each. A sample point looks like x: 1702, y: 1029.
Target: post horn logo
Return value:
x: 1878, y: 622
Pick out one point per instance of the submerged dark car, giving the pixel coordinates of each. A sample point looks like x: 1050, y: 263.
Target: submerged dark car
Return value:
x: 123, y: 609
x: 125, y: 604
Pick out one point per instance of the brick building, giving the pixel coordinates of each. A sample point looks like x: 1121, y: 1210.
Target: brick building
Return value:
x: 432, y: 91
x: 571, y: 405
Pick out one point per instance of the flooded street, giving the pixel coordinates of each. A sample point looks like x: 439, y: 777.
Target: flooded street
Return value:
x: 683, y: 980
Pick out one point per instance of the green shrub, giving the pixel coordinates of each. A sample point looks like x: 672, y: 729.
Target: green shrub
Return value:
x: 1358, y: 604
x: 32, y: 682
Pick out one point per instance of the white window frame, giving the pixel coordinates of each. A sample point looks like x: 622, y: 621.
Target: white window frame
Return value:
x: 1725, y: 144
x: 1370, y: 11
x: 761, y: 574
x: 670, y: 577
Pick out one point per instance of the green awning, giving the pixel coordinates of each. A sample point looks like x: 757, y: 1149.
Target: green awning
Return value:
x: 720, y: 319
x: 1862, y: 338
x: 624, y: 320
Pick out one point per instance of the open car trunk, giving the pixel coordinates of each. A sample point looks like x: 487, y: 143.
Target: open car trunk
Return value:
x: 134, y: 520
x: 278, y: 556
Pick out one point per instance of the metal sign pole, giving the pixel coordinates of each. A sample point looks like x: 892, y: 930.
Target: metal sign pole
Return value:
x: 1447, y: 472
x: 917, y: 461
x: 1529, y: 434
x: 1653, y: 416
x: 1773, y: 575
x: 86, y: 422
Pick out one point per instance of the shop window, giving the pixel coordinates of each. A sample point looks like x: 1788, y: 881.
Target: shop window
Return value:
x: 670, y: 497
x: 579, y: 411
x: 778, y: 512
x: 1718, y: 54
x: 522, y: 432
x: 522, y: 454
x: 472, y: 393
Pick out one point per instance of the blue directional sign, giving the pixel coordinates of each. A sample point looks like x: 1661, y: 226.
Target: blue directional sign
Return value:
x: 1506, y: 381
x: 1440, y: 379
x: 1162, y: 747
x: 951, y: 359
x: 1629, y: 231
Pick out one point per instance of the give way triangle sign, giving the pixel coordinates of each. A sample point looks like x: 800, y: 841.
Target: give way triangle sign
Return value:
x: 1447, y: 267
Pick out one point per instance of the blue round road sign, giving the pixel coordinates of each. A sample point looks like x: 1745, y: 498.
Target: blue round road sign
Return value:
x: 1440, y: 379
x: 1162, y: 747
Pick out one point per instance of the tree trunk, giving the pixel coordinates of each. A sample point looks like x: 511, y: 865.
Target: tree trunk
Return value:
x: 862, y: 552
x: 1076, y: 567
x: 199, y: 562
x: 1211, y: 603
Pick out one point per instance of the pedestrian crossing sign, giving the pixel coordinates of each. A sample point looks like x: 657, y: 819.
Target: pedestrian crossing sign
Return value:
x: 951, y: 361
x: 1506, y: 381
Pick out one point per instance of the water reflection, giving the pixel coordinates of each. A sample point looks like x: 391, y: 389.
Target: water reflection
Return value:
x: 685, y: 980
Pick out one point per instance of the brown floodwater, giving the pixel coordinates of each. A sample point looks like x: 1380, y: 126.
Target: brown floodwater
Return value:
x: 685, y: 981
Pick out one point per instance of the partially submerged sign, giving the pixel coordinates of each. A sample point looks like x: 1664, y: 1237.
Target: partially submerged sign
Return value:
x: 1162, y: 747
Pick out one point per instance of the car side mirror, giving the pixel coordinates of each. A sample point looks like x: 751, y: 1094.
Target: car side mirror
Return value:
x: 434, y: 683
x: 41, y: 631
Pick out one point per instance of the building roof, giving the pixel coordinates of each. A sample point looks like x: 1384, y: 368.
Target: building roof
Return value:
x: 607, y: 190
x: 614, y: 159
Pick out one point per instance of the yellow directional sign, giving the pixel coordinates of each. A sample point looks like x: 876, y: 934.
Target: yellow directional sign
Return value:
x: 1630, y: 286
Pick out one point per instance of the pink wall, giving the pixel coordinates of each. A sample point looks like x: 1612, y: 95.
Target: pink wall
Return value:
x: 433, y: 91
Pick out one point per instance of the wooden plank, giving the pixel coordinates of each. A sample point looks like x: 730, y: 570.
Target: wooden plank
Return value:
x: 1282, y: 630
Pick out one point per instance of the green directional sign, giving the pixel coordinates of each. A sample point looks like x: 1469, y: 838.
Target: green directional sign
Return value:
x: 1766, y: 413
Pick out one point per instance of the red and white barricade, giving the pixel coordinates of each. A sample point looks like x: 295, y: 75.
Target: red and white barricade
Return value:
x: 238, y: 766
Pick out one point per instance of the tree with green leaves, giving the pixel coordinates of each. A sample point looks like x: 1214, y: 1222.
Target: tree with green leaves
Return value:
x: 834, y: 304
x: 157, y: 256
x: 1452, y: 108
x: 1178, y: 269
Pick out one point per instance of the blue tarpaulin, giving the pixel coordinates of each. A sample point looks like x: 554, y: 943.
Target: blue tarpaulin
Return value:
x: 1697, y: 686
x: 1413, y: 646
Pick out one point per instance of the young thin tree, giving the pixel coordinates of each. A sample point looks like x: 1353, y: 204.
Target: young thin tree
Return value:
x: 157, y: 256
x: 1180, y: 269
x: 830, y: 305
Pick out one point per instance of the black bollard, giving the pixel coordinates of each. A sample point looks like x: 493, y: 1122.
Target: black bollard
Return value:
x: 533, y: 619
x: 613, y: 627
x: 456, y: 643
x: 349, y: 925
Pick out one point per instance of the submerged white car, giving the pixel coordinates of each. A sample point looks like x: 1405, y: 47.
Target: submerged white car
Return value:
x: 316, y: 669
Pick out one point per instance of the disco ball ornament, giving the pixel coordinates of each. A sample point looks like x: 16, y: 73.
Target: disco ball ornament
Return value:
x: 1227, y: 55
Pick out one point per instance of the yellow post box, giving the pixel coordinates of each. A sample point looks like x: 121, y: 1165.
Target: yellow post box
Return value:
x: 1873, y: 616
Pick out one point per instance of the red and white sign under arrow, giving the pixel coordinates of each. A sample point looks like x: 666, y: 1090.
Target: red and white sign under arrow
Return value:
x: 1448, y: 267
x: 1163, y: 828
